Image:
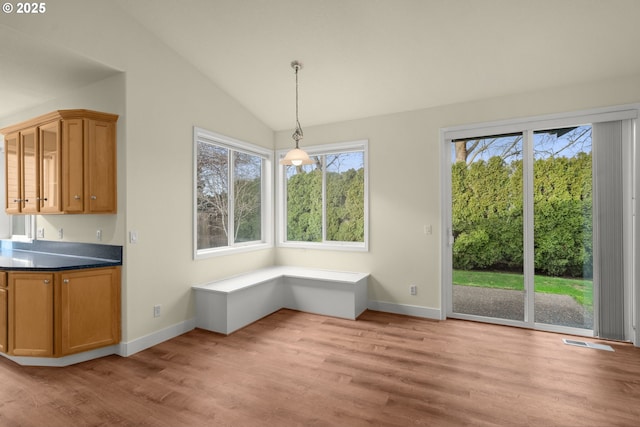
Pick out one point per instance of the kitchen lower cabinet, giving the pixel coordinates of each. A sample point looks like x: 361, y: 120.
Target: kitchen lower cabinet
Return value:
x: 31, y: 314
x: 3, y: 313
x: 89, y: 310
x: 53, y: 314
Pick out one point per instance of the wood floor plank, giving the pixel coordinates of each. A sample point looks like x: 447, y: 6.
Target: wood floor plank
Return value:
x: 300, y: 369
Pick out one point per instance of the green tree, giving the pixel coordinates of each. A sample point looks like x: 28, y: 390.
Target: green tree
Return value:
x: 304, y: 206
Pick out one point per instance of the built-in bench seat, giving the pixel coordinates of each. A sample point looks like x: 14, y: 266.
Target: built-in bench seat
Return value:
x: 227, y: 305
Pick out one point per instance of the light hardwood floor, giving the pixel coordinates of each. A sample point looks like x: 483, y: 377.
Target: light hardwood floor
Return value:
x: 299, y: 369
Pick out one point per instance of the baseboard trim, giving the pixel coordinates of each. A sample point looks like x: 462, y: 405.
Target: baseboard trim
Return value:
x: 58, y: 362
x: 406, y: 309
x: 129, y: 348
x: 132, y: 347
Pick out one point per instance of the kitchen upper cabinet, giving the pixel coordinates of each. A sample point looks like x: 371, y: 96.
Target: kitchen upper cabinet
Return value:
x: 73, y: 171
x: 62, y: 162
x: 30, y: 171
x: 89, y: 166
x: 30, y: 314
x: 13, y: 193
x: 49, y: 160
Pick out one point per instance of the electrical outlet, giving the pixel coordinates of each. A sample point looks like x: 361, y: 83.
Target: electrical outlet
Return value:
x: 413, y: 290
x: 60, y: 233
x: 40, y: 233
x: 99, y: 235
x: 156, y: 310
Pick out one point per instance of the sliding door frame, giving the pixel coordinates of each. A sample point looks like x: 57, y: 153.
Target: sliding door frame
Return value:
x: 527, y: 126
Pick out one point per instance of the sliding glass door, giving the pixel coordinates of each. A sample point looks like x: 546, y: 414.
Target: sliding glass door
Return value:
x: 522, y: 229
x: 563, y: 227
x: 487, y: 215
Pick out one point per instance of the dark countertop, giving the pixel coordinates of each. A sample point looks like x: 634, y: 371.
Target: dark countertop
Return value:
x: 57, y: 256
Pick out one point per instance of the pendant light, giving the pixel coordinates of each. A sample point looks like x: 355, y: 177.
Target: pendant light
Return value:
x: 296, y: 156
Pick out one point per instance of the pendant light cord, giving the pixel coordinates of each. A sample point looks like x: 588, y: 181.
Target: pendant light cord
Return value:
x: 297, y: 135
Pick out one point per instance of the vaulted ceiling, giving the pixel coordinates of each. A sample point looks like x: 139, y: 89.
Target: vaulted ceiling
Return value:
x: 366, y: 57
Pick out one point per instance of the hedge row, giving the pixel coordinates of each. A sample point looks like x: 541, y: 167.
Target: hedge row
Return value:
x: 488, y: 215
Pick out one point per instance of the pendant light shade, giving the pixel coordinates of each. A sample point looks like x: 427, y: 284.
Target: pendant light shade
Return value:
x: 297, y: 156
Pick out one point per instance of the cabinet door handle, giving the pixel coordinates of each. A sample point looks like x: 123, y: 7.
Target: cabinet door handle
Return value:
x: 17, y: 200
x: 94, y: 197
x: 76, y: 197
x: 46, y: 281
x: 65, y: 281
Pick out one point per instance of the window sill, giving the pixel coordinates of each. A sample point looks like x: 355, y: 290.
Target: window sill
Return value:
x: 333, y: 246
x: 216, y: 252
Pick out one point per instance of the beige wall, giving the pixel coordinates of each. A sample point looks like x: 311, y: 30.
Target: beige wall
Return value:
x: 107, y: 95
x: 160, y: 98
x: 405, y: 183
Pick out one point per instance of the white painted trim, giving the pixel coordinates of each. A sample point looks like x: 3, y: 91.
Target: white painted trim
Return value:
x: 406, y: 309
x: 446, y: 238
x: 280, y: 208
x: 232, y: 144
x: 132, y: 347
x: 58, y: 362
x: 528, y: 216
x: 549, y: 121
x: 635, y: 290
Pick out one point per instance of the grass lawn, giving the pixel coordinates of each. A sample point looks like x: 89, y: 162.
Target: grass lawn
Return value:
x: 579, y: 289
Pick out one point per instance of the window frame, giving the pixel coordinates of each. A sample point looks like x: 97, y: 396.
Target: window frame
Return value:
x: 238, y: 146
x: 29, y: 229
x: 281, y: 203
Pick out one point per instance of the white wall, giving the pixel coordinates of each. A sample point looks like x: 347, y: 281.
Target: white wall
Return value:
x: 405, y: 187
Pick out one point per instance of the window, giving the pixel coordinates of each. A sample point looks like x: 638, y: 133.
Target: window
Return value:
x: 325, y: 204
x: 22, y: 227
x: 232, y: 185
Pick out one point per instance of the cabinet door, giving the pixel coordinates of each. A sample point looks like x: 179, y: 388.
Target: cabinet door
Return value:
x: 50, y: 172
x: 3, y: 312
x: 3, y: 320
x: 31, y: 314
x: 90, y: 309
x: 100, y: 175
x: 73, y: 165
x: 30, y: 170
x: 13, y: 195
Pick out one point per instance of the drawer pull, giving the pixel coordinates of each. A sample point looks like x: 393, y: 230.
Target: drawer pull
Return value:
x: 65, y: 281
x: 76, y: 197
x: 46, y: 281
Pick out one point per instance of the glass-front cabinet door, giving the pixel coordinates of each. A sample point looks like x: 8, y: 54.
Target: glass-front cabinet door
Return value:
x: 50, y: 172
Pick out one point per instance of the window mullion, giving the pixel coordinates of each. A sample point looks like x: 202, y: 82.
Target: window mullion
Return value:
x: 324, y: 197
x: 230, y: 200
x: 528, y: 215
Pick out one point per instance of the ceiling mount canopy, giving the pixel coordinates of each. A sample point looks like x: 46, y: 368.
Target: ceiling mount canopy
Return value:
x: 297, y: 156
